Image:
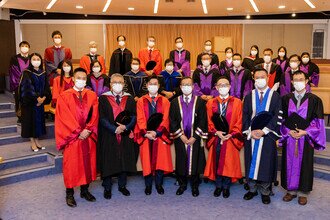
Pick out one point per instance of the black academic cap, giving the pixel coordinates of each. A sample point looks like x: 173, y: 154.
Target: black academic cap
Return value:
x: 220, y: 122
x: 123, y: 117
x: 151, y: 65
x: 261, y: 120
x: 154, y: 121
x: 295, y: 121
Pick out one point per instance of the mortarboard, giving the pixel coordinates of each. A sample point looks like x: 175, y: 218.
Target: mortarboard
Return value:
x: 151, y: 65
x: 154, y: 121
x: 295, y: 121
x: 220, y: 122
x: 261, y: 120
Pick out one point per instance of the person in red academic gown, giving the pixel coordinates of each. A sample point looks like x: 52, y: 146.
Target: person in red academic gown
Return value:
x: 150, y: 53
x: 155, y: 150
x: 76, y: 122
x: 86, y: 60
x: 223, y: 163
x: 54, y: 55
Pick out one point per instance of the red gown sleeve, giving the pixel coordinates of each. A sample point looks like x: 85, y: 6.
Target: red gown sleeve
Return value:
x: 158, y: 60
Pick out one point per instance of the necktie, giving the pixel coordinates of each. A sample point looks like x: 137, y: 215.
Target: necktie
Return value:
x: 153, y: 103
x: 179, y: 54
x: 186, y: 100
x: 205, y: 71
x: 261, y: 97
x: 118, y: 99
x: 150, y: 51
x: 80, y: 96
x: 298, y: 101
x: 223, y: 108
x: 267, y: 67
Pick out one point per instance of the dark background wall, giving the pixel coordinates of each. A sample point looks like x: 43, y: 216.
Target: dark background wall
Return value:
x: 7, y: 49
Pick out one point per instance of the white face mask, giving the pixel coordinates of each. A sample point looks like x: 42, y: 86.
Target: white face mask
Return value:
x: 281, y: 54
x: 66, y: 69
x: 186, y: 90
x: 36, y: 63
x: 96, y: 69
x: 24, y: 49
x: 121, y: 43
x: 293, y: 65
x: 237, y: 63
x: 179, y: 45
x: 169, y: 68
x: 57, y: 40
x: 206, y: 63
x: 93, y: 50
x: 135, y: 67
x: 117, y: 87
x: 208, y: 48
x: 223, y: 91
x: 153, y: 89
x: 151, y: 43
x: 80, y: 83
x: 260, y: 83
x: 305, y: 60
x: 267, y: 59
x: 229, y: 55
x: 254, y: 52
x: 298, y: 86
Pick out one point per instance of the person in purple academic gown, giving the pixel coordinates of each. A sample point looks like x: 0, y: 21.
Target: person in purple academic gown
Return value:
x: 282, y: 59
x: 240, y: 78
x: 188, y: 127
x: 298, y: 145
x: 181, y: 58
x: 227, y: 64
x: 310, y: 68
x: 208, y: 49
x: 18, y: 64
x: 205, y: 77
x: 96, y: 81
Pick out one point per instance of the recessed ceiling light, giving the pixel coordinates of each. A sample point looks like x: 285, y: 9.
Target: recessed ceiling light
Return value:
x: 130, y: 8
x: 293, y: 14
x: 230, y: 9
x: 254, y: 5
x: 51, y: 3
x: 248, y: 17
x: 281, y: 6
x: 106, y: 6
x: 308, y: 2
x: 79, y: 7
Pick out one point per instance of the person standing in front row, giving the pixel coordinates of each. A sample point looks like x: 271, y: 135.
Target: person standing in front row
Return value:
x: 260, y: 146
x: 76, y: 121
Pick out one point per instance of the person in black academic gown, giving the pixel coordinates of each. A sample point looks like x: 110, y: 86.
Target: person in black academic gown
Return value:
x: 121, y: 58
x: 208, y: 49
x: 253, y: 59
x: 188, y: 127
x: 115, y: 145
x: 34, y: 94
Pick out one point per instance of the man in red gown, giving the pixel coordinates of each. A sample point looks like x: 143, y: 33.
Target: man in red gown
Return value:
x: 150, y: 53
x: 76, y: 122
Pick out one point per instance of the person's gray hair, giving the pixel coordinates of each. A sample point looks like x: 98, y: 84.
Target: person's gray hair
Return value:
x: 115, y: 75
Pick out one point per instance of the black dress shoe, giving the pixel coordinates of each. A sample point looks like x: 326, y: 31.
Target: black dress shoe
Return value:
x: 265, y: 199
x: 246, y: 186
x: 160, y: 190
x: 217, y: 192
x: 70, y: 201
x: 124, y: 191
x: 147, y: 191
x: 250, y: 195
x: 107, y: 194
x: 88, y: 196
x: 195, y: 192
x: 226, y: 193
x: 181, y: 190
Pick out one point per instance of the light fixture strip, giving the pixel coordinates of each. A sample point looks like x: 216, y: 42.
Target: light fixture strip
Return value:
x: 204, y: 6
x: 254, y: 5
x: 51, y: 3
x: 310, y: 4
x: 106, y: 6
x: 156, y: 6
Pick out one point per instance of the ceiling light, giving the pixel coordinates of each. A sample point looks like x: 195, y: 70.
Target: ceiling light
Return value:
x: 130, y: 8
x: 156, y: 6
x: 281, y: 6
x: 254, y: 6
x: 308, y: 2
x: 79, y: 7
x: 230, y: 9
x: 51, y: 3
x: 293, y: 14
x: 248, y: 17
x: 106, y: 6
x: 204, y: 6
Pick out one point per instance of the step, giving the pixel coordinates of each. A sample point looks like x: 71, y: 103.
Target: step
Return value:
x: 322, y: 171
x: 8, y: 129
x: 6, y: 113
x: 7, y: 105
x: 8, y: 121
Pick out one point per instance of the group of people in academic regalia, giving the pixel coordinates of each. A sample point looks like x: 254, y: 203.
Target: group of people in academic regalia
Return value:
x: 225, y: 121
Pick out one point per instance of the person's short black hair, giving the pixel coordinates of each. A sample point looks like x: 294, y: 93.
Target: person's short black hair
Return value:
x: 178, y: 39
x: 298, y: 72
x: 222, y: 77
x: 136, y: 59
x: 295, y: 55
x: 207, y: 41
x: 151, y: 37
x: 305, y: 53
x: 186, y: 77
x: 269, y: 49
x: 121, y: 36
x: 24, y: 42
x: 92, y: 64
x: 229, y: 48
x: 203, y: 54
x: 56, y: 33
x: 258, y: 69
x: 79, y: 69
x: 168, y: 61
x: 153, y: 76
x: 237, y: 54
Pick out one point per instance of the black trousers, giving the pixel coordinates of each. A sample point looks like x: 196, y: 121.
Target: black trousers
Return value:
x: 183, y: 181
x: 159, y: 175
x: 83, y: 188
x: 122, y: 181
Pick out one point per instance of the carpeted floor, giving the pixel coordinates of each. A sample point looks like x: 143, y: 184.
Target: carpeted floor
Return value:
x: 43, y: 198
